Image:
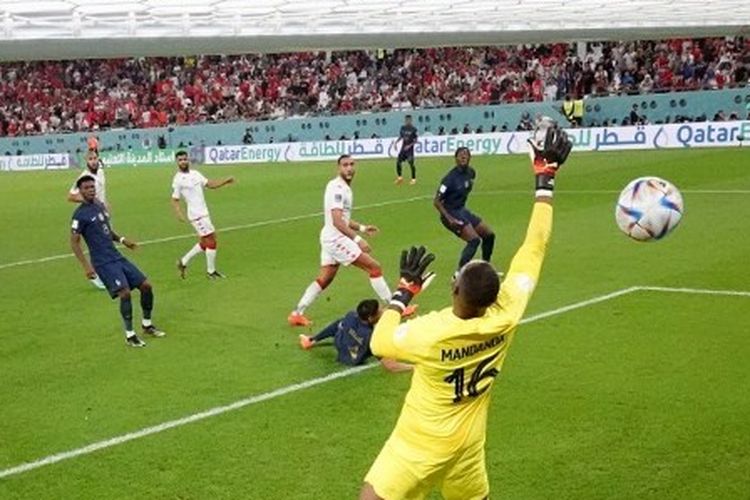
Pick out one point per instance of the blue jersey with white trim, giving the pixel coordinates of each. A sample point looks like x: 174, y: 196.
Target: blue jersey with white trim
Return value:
x: 455, y: 187
x: 353, y: 340
x: 91, y: 221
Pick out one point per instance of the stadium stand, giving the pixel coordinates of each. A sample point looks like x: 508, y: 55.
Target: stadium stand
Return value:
x: 93, y: 95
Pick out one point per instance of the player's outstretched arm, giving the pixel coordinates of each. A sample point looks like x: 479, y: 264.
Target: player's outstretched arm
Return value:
x: 217, y: 183
x: 524, y: 270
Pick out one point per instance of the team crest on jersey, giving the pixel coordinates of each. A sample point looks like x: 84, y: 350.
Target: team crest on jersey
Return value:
x: 101, y: 216
x: 338, y: 197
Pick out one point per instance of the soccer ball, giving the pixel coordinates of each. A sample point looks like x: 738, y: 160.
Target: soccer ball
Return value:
x: 649, y: 208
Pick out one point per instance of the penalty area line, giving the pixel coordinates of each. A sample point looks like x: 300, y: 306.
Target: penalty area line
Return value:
x: 294, y: 218
x: 695, y: 291
x: 227, y: 229
x: 218, y: 410
x: 212, y: 412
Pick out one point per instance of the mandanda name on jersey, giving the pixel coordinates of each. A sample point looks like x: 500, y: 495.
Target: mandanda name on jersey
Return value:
x: 470, y: 350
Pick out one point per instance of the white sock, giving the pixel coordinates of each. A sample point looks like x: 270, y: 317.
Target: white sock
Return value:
x: 146, y: 322
x: 129, y: 334
x: 210, y: 260
x: 311, y: 293
x: 381, y: 288
x: 191, y: 253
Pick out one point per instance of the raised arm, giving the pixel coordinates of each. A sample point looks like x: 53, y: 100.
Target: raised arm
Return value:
x: 526, y: 265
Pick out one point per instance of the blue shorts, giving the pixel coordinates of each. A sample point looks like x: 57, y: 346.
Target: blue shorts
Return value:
x: 464, y: 215
x: 120, y: 274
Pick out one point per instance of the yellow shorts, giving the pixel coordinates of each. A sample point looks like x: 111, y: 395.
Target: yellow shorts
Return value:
x: 404, y: 472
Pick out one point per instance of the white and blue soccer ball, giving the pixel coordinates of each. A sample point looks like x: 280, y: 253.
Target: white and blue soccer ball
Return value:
x: 649, y: 208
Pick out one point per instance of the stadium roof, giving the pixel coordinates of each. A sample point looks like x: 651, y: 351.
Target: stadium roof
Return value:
x: 64, y: 29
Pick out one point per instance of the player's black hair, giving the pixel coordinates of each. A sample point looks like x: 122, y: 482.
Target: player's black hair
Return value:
x: 338, y: 162
x: 408, y: 117
x: 479, y: 284
x: 84, y: 178
x: 367, y: 308
x: 462, y: 148
x: 180, y: 152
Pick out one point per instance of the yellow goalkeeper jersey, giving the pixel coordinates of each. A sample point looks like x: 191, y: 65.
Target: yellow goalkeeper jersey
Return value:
x: 457, y: 360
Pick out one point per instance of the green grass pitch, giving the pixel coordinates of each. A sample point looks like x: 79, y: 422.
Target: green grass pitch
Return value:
x: 645, y: 395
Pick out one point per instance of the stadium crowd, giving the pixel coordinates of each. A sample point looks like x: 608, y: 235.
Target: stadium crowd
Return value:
x: 88, y: 95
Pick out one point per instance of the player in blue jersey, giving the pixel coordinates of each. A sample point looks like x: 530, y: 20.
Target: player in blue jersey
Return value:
x: 450, y: 201
x: 408, y: 138
x: 351, y: 337
x: 94, y: 168
x: 91, y: 221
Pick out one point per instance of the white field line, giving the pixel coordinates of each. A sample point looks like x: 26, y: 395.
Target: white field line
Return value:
x: 364, y: 207
x: 124, y: 438
x: 251, y: 225
x: 700, y: 291
x: 108, y: 443
x: 610, y: 191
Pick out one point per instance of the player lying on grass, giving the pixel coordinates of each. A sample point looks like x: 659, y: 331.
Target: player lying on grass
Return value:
x: 457, y: 352
x: 351, y: 337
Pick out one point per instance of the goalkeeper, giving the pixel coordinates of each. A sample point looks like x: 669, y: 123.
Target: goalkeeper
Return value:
x: 457, y: 353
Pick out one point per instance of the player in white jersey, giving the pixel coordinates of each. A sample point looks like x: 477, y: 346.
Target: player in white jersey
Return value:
x: 188, y: 185
x: 94, y: 168
x: 340, y: 243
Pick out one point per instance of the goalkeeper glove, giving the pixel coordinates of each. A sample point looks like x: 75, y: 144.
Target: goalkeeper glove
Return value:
x: 413, y: 279
x: 548, y: 157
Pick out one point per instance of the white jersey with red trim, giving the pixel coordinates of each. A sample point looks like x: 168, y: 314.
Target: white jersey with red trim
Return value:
x: 189, y: 186
x: 338, y: 195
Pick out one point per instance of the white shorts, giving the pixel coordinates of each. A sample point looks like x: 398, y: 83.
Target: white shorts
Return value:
x: 203, y: 226
x: 341, y: 250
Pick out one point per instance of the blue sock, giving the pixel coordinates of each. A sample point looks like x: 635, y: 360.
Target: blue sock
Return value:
x: 468, y: 252
x: 488, y: 244
x: 328, y: 331
x: 126, y: 311
x: 147, y: 302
